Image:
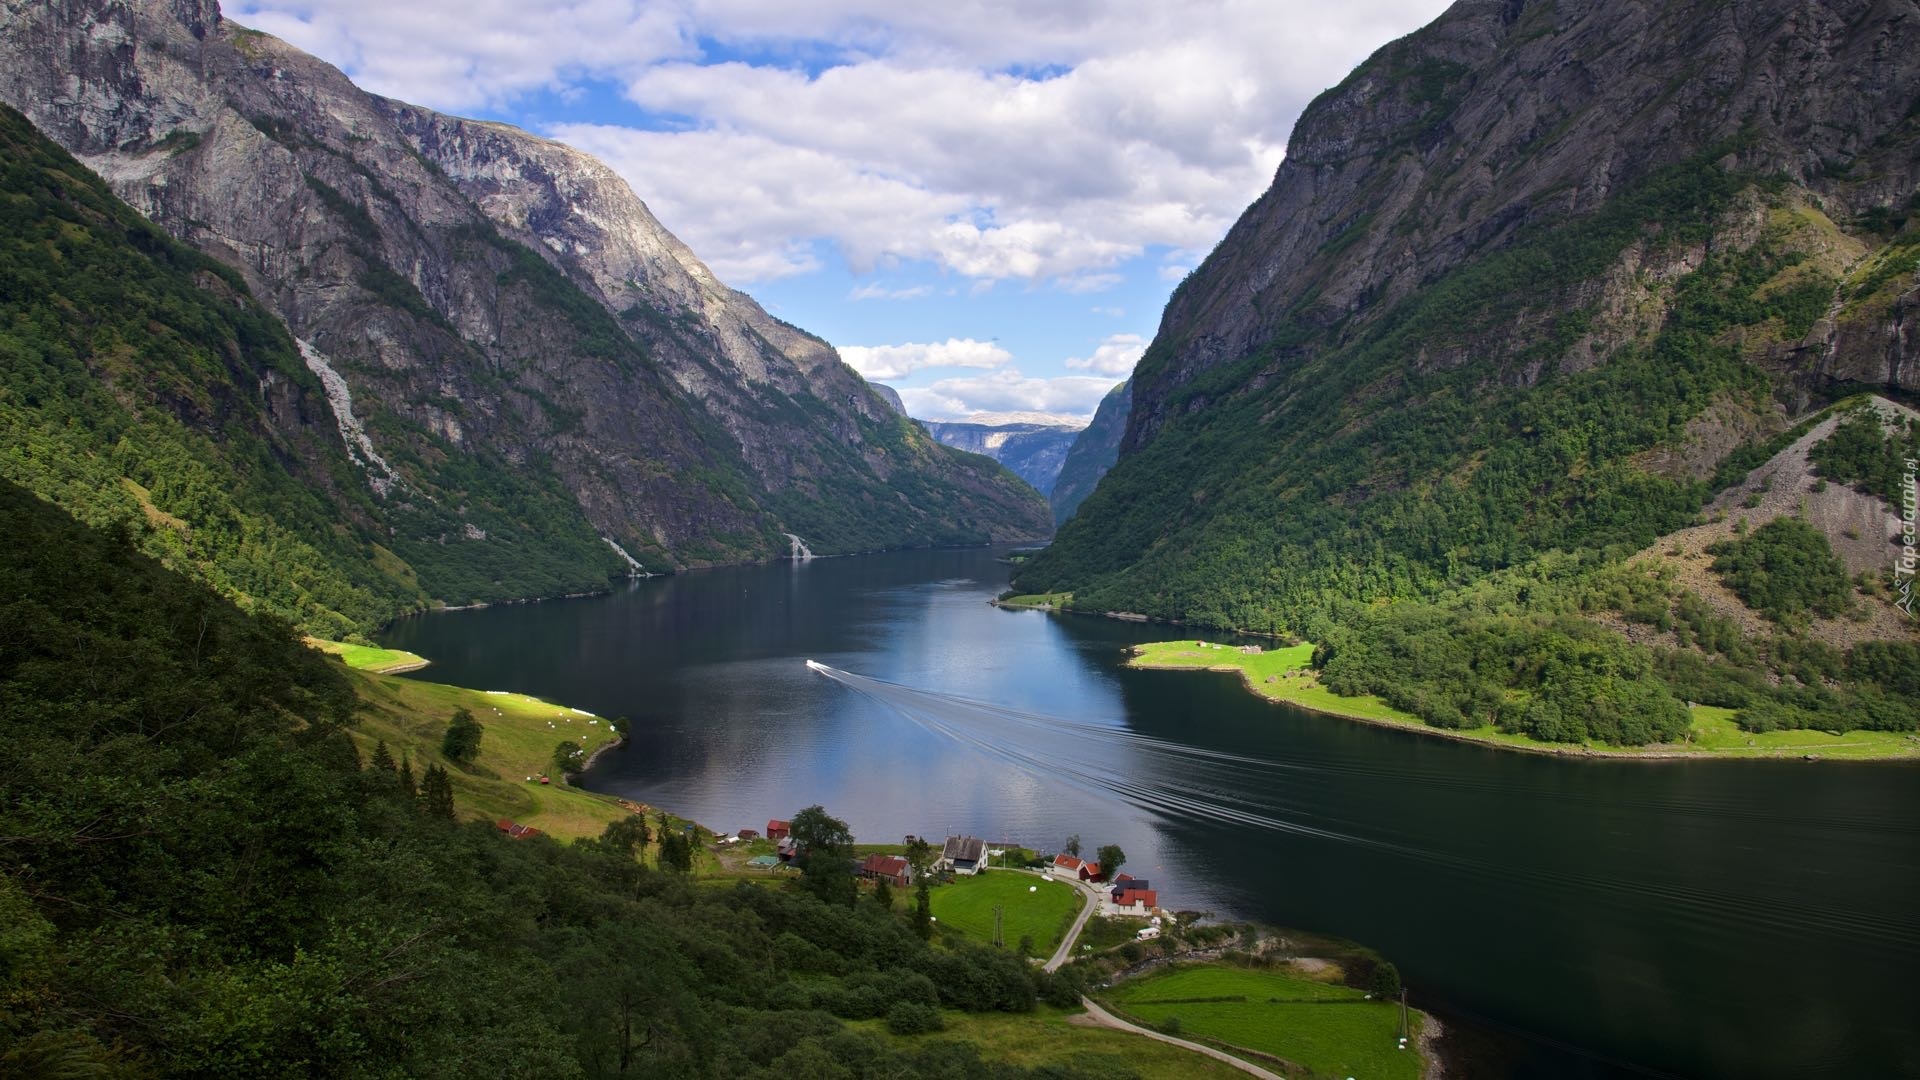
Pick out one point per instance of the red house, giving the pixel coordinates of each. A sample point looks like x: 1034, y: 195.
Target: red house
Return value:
x: 778, y: 830
x: 1090, y: 871
x: 891, y: 869
x: 516, y: 831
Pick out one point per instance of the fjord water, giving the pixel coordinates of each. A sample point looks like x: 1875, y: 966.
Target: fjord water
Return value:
x: 1684, y: 918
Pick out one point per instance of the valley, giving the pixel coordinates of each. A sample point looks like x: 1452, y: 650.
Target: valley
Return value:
x: 449, y: 627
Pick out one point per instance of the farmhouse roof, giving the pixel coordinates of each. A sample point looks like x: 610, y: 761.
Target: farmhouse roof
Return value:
x: 964, y: 849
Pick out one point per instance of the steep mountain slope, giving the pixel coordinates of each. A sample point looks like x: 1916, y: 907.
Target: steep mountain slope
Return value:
x: 533, y: 363
x: 140, y: 385
x: 1035, y: 452
x: 1092, y: 453
x: 1524, y: 279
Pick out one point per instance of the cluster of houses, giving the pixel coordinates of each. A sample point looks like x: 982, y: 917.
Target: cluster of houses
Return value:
x: 967, y: 855
x: 1125, y: 895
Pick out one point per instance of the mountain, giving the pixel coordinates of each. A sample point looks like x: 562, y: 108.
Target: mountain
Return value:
x: 891, y: 396
x: 541, y: 386
x: 1530, y: 287
x: 1034, y: 451
x: 1093, y: 452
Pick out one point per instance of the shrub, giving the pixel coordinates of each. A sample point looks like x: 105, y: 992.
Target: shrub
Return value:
x: 914, y: 1018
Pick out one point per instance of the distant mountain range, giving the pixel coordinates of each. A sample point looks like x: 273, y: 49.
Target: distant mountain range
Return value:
x: 532, y: 384
x: 1035, y: 451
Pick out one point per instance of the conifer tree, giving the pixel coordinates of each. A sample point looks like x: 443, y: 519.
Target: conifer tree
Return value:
x: 382, y: 759
x: 436, y: 793
x: 407, y: 785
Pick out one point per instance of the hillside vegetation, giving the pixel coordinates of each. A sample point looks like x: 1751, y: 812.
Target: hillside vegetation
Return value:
x: 1448, y: 429
x: 203, y: 876
x: 142, y: 387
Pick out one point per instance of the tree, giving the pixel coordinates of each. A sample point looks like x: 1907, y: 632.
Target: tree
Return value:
x: 1111, y: 859
x: 627, y: 835
x: 922, y: 908
x: 920, y: 857
x: 676, y: 852
x: 1385, y: 980
x: 823, y: 850
x: 568, y: 758
x: 883, y: 894
x: 1072, y: 846
x: 382, y: 761
x: 407, y: 785
x: 461, y: 743
x: 436, y: 793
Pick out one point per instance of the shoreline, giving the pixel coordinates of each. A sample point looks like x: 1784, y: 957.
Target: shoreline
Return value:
x: 1662, y: 752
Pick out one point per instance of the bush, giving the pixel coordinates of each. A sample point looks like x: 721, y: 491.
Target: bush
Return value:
x: 1783, y: 570
x: 914, y: 1018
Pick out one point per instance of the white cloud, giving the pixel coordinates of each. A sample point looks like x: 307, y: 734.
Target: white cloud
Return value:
x: 873, y: 290
x: 881, y: 362
x: 1109, y: 312
x: 1115, y: 356
x: 995, y: 139
x: 1006, y: 391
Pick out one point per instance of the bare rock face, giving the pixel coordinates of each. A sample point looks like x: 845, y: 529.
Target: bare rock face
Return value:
x: 1092, y: 453
x: 1506, y: 115
x: 538, y: 361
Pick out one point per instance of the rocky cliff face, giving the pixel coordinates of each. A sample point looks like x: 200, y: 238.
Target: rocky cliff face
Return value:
x: 1535, y: 277
x: 1035, y: 452
x: 538, y: 362
x: 1508, y: 115
x: 1093, y: 452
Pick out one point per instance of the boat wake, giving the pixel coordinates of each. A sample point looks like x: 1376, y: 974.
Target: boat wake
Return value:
x: 1179, y: 782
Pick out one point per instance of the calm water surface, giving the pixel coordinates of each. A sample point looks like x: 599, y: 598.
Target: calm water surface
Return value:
x: 1695, y: 919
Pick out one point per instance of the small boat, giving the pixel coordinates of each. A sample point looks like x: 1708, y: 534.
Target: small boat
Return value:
x: 816, y: 665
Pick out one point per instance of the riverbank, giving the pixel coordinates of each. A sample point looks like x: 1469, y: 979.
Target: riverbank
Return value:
x: 1282, y: 676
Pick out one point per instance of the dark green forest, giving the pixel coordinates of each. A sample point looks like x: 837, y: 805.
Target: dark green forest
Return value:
x: 199, y: 877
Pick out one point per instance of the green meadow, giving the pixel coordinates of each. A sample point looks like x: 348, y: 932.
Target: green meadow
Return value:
x: 1330, y: 1030
x: 1031, y: 906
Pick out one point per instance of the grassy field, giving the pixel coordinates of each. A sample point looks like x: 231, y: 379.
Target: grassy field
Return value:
x: 1048, y: 1036
x: 368, y: 658
x: 1047, y: 601
x: 1031, y: 906
x: 521, y: 733
x: 1332, y: 1030
x: 1282, y: 675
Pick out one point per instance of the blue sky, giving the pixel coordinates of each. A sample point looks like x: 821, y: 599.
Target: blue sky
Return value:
x: 983, y: 203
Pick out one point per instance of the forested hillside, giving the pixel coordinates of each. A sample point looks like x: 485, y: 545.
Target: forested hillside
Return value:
x: 1396, y: 378
x: 200, y: 877
x: 142, y: 387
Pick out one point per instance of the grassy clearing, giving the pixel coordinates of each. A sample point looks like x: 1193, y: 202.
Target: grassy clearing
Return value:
x: 1048, y: 1036
x: 1044, y: 601
x: 1282, y: 675
x: 1332, y: 1030
x: 966, y: 906
x: 368, y: 658
x: 411, y: 717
